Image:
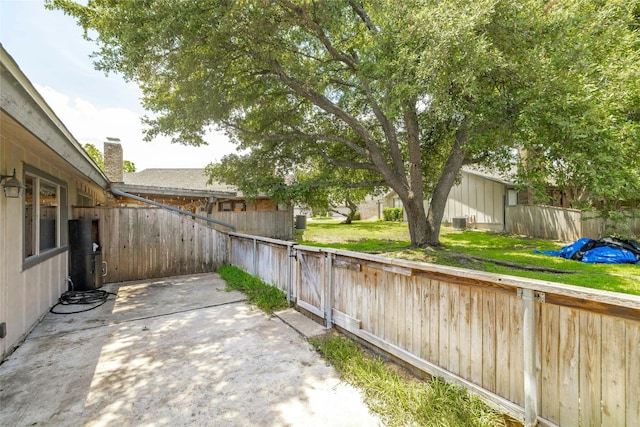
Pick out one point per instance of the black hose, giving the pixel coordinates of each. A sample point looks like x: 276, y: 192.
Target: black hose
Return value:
x: 96, y: 296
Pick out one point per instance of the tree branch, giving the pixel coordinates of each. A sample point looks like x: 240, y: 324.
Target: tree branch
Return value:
x: 413, y: 142
x: 389, y: 130
x: 300, y: 135
x: 359, y: 10
x: 363, y: 184
x: 320, y: 34
x: 324, y: 103
x: 348, y: 163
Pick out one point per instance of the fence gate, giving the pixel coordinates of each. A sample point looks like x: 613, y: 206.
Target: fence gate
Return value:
x: 310, y: 281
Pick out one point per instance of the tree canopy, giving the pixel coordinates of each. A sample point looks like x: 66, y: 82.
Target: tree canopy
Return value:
x: 382, y: 91
x: 95, y: 154
x: 588, y: 106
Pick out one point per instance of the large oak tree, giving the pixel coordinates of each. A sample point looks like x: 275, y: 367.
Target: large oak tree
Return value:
x: 404, y: 92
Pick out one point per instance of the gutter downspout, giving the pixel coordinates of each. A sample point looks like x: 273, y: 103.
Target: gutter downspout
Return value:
x: 171, y: 208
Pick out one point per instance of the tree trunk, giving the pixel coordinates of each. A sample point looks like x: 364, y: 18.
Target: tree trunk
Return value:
x: 424, y: 228
x: 418, y: 227
x: 443, y: 187
x: 353, y: 209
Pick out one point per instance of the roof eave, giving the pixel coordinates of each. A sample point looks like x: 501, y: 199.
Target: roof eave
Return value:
x: 166, y: 191
x: 54, y: 134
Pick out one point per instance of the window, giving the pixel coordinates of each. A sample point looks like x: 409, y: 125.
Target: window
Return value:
x: 29, y: 223
x: 232, y: 206
x: 48, y: 214
x: 45, y: 215
x: 84, y: 200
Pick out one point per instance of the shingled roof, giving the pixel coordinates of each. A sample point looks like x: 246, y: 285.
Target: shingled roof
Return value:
x: 179, y: 182
x: 187, y: 179
x: 505, y: 178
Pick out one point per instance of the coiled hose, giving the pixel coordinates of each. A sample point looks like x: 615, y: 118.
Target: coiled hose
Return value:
x: 96, y: 296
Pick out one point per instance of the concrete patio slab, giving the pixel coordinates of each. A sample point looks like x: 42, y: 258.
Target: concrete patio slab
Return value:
x: 180, y: 351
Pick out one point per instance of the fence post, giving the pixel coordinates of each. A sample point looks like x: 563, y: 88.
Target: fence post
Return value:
x: 289, y: 272
x: 328, y: 288
x: 255, y: 257
x: 529, y: 354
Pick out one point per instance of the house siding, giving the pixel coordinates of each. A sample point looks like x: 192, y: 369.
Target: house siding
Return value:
x: 479, y: 200
x: 28, y: 290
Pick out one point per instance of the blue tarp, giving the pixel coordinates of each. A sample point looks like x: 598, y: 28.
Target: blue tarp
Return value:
x: 608, y: 250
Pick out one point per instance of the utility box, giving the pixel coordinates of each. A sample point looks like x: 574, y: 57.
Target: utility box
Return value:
x: 301, y: 222
x: 459, y: 223
x: 85, y: 256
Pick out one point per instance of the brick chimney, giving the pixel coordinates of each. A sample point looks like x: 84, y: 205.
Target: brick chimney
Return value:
x: 113, y: 160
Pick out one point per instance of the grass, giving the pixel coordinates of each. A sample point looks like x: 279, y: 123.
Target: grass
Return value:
x: 478, y: 250
x: 266, y: 297
x: 399, y: 398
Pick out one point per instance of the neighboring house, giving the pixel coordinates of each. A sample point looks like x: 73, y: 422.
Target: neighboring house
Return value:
x: 186, y: 189
x: 189, y: 190
x: 56, y: 174
x: 480, y: 198
x: 372, y: 207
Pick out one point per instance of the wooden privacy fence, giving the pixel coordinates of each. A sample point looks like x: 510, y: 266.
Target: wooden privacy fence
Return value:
x: 272, y: 224
x: 144, y: 243
x: 542, y: 352
x: 567, y: 225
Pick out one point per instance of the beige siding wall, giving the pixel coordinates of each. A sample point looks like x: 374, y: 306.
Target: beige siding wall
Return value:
x: 479, y: 200
x: 27, y: 293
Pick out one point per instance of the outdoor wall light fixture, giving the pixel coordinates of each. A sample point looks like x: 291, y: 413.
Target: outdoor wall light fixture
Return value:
x: 12, y: 187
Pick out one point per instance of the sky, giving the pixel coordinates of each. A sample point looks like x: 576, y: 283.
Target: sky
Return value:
x: 49, y: 49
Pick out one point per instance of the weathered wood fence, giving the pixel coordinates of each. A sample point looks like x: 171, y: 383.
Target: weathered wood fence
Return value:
x: 272, y: 224
x: 144, y: 243
x: 542, y: 352
x: 568, y: 225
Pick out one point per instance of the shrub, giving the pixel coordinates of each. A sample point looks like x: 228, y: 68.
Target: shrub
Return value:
x: 393, y: 214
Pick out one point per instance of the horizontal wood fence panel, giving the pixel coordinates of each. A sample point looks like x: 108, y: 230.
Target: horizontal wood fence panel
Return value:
x: 143, y: 243
x: 439, y: 322
x: 469, y: 327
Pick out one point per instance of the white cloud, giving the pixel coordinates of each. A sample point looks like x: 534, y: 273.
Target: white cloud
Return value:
x: 89, y: 124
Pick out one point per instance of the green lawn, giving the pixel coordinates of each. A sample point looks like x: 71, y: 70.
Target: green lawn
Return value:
x: 477, y: 250
x: 401, y: 399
